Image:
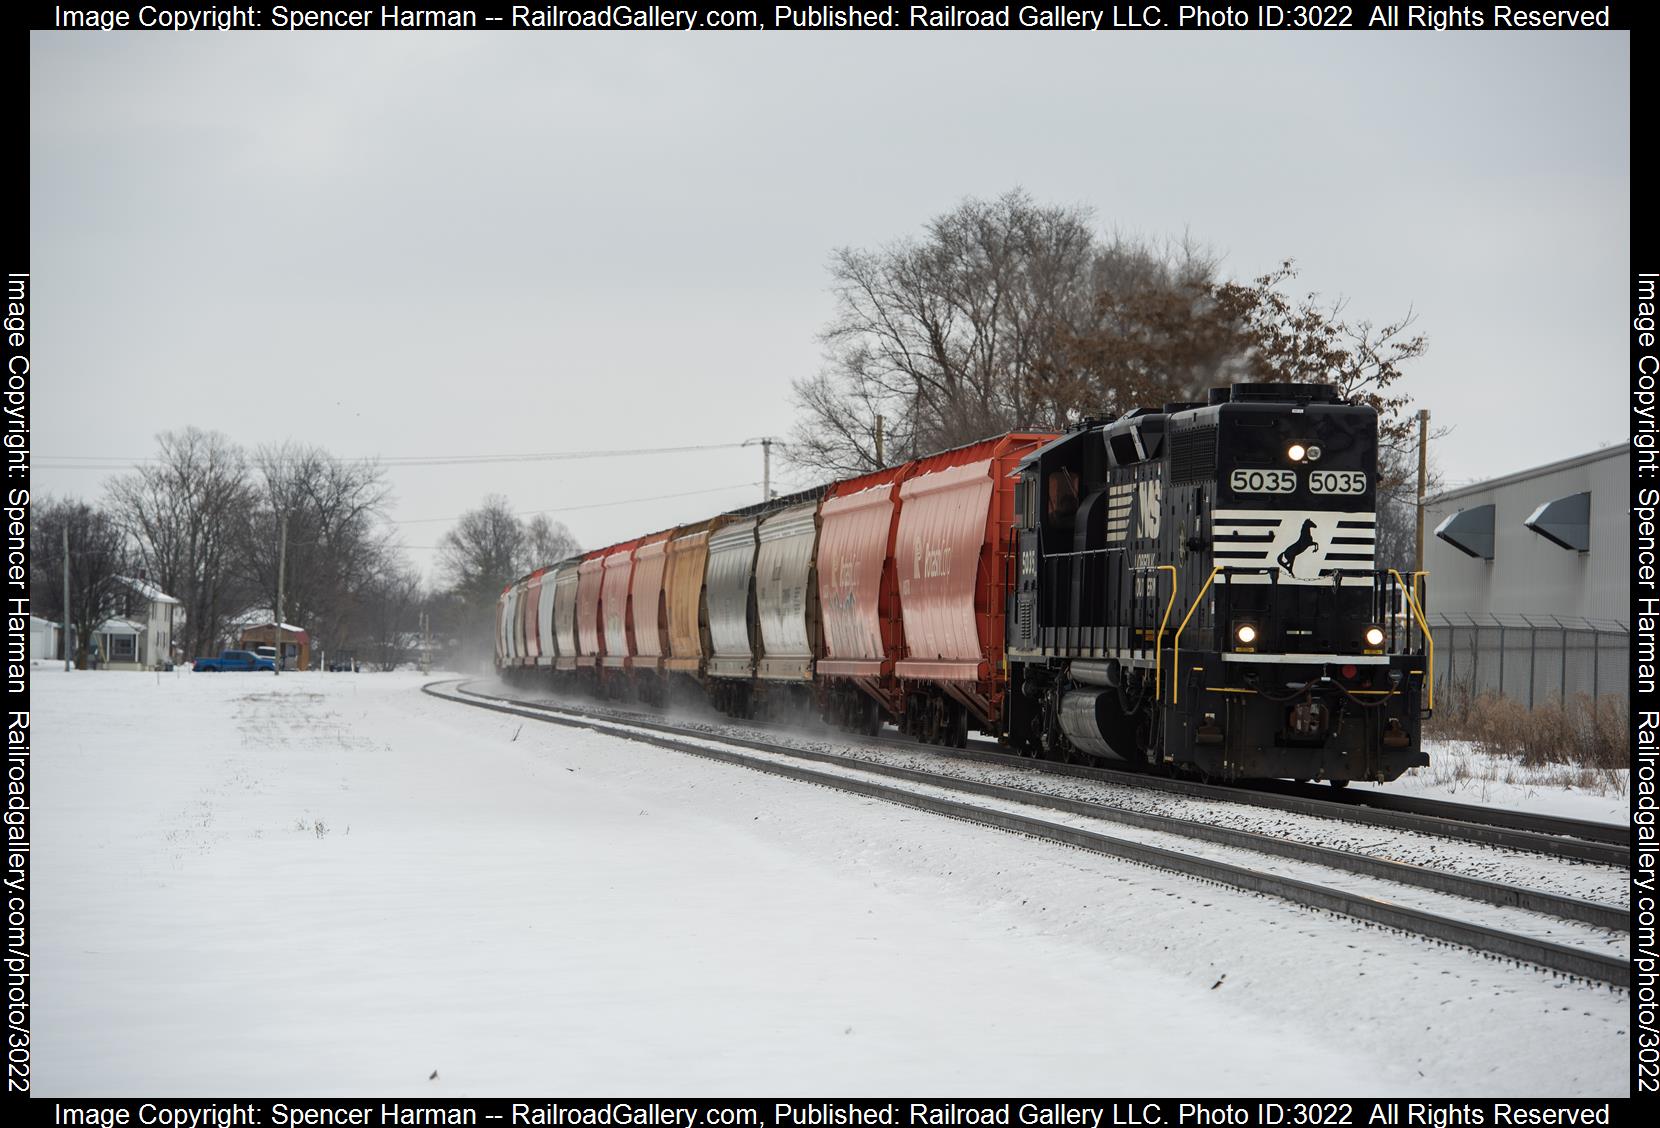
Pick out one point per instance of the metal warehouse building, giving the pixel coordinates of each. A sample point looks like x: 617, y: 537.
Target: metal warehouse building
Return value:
x: 1529, y: 580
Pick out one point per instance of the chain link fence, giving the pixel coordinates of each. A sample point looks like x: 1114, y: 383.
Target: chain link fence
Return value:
x: 1532, y: 659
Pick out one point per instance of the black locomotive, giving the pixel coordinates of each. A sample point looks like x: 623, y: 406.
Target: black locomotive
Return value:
x: 1196, y: 589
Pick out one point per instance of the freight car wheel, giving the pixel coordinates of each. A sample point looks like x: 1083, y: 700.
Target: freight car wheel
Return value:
x: 959, y: 728
x: 1338, y: 784
x: 871, y: 722
x: 933, y: 725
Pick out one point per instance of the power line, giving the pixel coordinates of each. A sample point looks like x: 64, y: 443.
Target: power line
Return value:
x: 112, y: 462
x: 590, y: 505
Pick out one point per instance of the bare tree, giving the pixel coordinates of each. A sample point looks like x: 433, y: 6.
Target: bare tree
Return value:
x: 970, y: 330
x: 488, y: 549
x: 1157, y: 335
x: 1310, y: 340
x: 484, y: 552
x: 97, y: 556
x: 479, y: 557
x: 184, y: 515
x: 1007, y: 314
x: 447, y: 618
x: 338, y: 545
x: 547, y: 542
x: 391, y: 610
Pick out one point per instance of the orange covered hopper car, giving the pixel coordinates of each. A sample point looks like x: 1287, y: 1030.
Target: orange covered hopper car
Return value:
x: 952, y: 556
x: 859, y: 599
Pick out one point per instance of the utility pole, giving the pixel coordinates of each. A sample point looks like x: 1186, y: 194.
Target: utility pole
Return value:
x: 766, y: 464
x: 282, y: 560
x: 881, y: 459
x: 426, y: 644
x: 1423, y: 485
x: 66, y: 665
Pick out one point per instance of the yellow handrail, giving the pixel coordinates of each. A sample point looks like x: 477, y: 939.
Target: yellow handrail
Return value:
x: 1429, y: 641
x: 1176, y: 643
x: 1158, y: 641
x: 1417, y: 588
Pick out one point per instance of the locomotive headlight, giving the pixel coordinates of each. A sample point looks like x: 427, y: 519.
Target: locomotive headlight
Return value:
x: 1374, y: 636
x: 1296, y: 452
x: 1246, y: 635
x: 1314, y: 454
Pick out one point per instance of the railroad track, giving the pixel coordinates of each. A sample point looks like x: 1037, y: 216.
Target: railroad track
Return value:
x: 1550, y: 836
x: 1553, y: 826
x: 785, y: 760
x: 1577, y: 839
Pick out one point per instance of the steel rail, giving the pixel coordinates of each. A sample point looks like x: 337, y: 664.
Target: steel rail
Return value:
x: 1556, y: 957
x: 1610, y: 834
x: 1549, y: 835
x: 1493, y: 829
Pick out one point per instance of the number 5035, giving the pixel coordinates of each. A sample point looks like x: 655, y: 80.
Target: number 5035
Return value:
x: 1285, y: 481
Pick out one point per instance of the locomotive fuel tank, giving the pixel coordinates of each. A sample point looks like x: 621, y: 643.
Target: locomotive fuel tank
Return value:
x: 1094, y: 722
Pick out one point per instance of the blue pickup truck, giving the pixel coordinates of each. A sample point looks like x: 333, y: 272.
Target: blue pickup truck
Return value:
x: 233, y: 660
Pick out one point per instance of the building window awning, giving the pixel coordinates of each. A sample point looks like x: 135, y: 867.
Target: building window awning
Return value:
x: 1470, y: 531
x: 1565, y: 522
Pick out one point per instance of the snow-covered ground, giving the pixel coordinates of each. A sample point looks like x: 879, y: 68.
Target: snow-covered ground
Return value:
x: 319, y: 885
x: 1458, y: 772
x: 1605, y: 884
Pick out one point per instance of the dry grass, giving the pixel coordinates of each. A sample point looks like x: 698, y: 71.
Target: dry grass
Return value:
x: 1583, y: 742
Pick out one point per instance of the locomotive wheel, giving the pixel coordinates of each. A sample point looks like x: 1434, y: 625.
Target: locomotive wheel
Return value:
x: 1338, y: 784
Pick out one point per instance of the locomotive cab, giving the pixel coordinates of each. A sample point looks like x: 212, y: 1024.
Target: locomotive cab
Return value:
x: 1213, y: 603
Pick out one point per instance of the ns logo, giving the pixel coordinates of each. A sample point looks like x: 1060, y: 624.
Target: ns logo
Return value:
x: 1149, y: 500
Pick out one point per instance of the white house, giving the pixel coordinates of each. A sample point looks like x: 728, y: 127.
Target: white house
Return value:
x: 142, y: 638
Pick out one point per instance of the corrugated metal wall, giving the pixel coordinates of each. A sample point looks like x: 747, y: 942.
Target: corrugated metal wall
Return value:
x: 1529, y: 575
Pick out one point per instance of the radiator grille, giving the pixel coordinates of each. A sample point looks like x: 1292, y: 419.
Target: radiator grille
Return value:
x: 1193, y: 455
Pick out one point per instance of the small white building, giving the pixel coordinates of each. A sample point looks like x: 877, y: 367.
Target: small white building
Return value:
x: 45, y: 640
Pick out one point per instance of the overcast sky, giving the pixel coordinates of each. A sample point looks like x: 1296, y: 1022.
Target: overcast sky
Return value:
x: 424, y: 245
